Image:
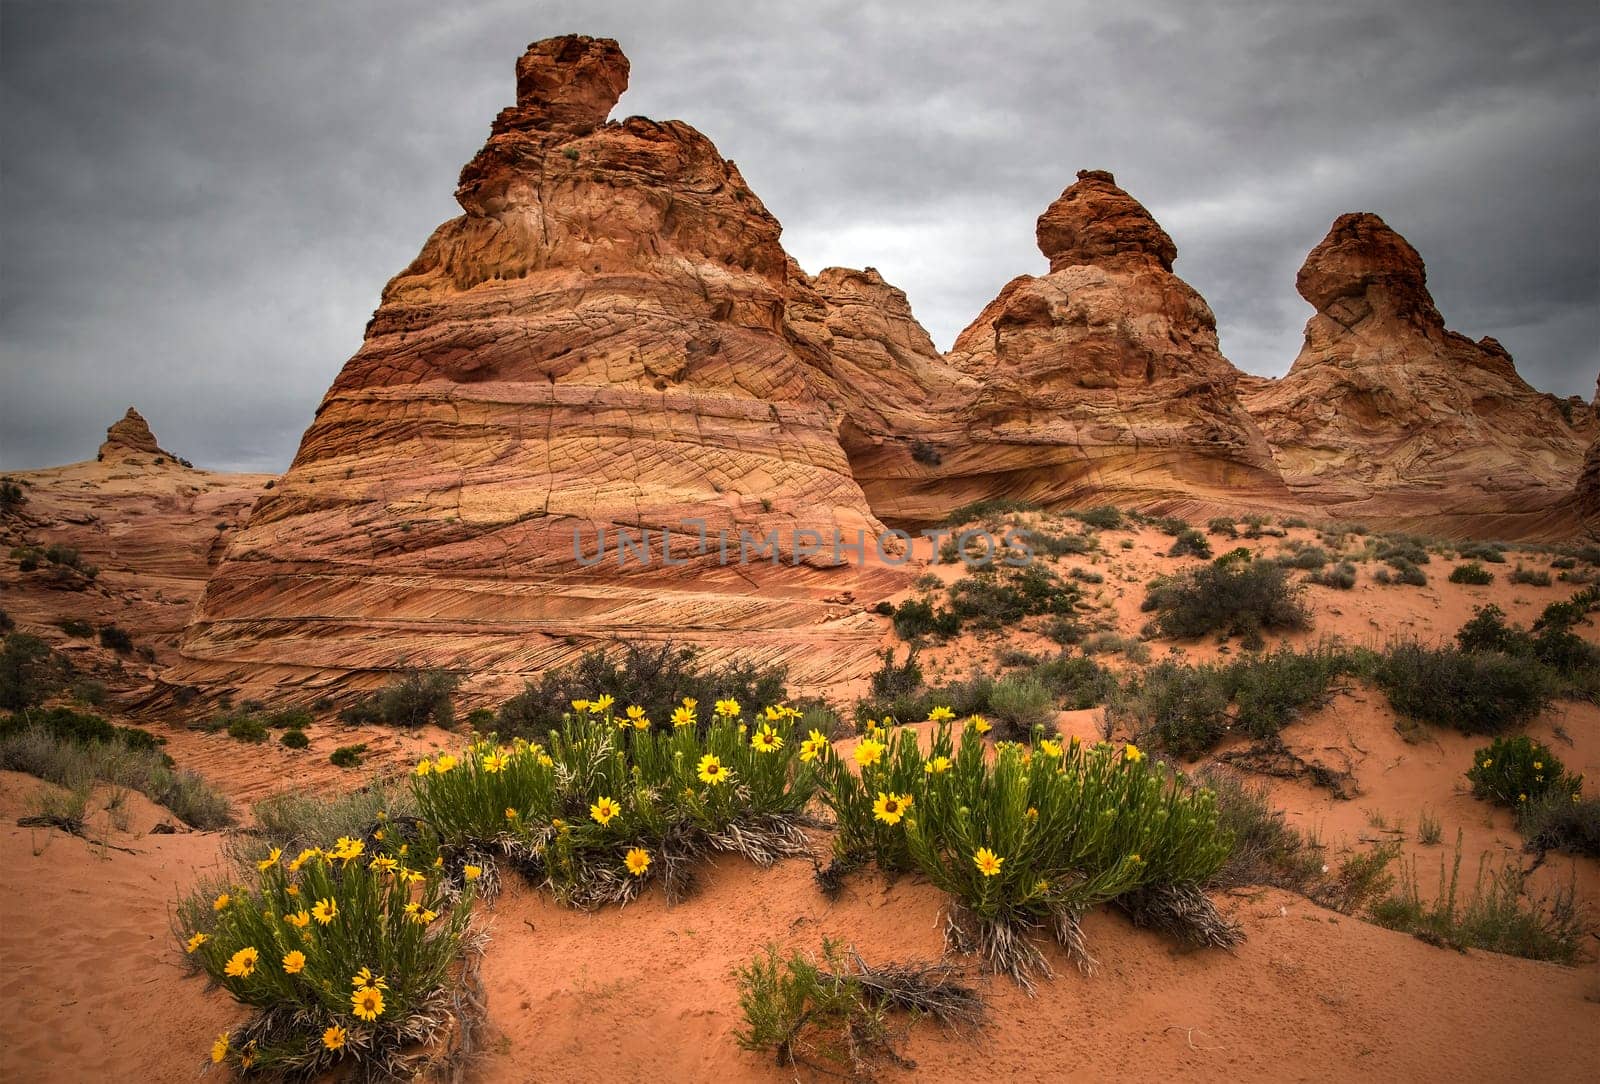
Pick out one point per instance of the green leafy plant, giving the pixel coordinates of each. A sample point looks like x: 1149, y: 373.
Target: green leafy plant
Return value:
x: 1239, y: 597
x: 1514, y: 770
x: 348, y: 756
x: 1471, y: 572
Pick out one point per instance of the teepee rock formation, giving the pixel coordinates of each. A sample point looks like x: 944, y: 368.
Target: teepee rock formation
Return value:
x: 1102, y: 381
x: 597, y: 343
x: 129, y: 440
x: 1389, y: 415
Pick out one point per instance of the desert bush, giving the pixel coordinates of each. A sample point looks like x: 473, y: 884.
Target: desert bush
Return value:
x: 76, y: 627
x: 1570, y: 663
x: 1018, y: 704
x: 1399, y: 548
x: 294, y: 820
x: 75, y: 751
x: 656, y: 677
x: 11, y: 496
x: 416, y: 698
x: 916, y: 618
x: 1059, y: 544
x: 1178, y: 708
x: 63, y: 556
x: 348, y: 756
x: 1272, y: 689
x: 90, y: 691
x: 1223, y: 525
x: 805, y: 1011
x: 1559, y: 821
x: 1266, y: 851
x: 346, y: 959
x: 1190, y: 543
x: 1075, y: 681
x: 247, y: 728
x: 294, y: 739
x: 1342, y: 576
x: 1512, y: 771
x: 1306, y: 558
x: 1496, y: 917
x: 1236, y: 597
x: 995, y: 598
x: 1490, y: 552
x: 1404, y: 572
x: 1534, y: 577
x: 1104, y: 518
x: 29, y: 671
x: 1476, y: 692
x: 6, y: 623
x: 1114, y: 643
x: 116, y: 639
x: 1472, y: 573
x: 987, y: 509
x: 611, y: 805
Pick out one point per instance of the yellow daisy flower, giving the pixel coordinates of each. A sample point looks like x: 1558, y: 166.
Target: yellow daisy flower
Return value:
x: 711, y: 770
x: 424, y: 766
x: 444, y: 763
x: 683, y: 717
x: 367, y: 1003
x: 221, y: 901
x: 603, y: 810
x: 196, y: 941
x: 727, y: 708
x: 243, y: 963
x: 334, y: 1037
x: 604, y: 703
x: 299, y: 920
x: 937, y: 766
x: 637, y: 861
x: 294, y: 962
x: 219, y: 1049
x: 494, y: 763
x: 472, y: 873
x: 1131, y: 754
x: 889, y: 808
x: 980, y: 724
x: 869, y: 752
x: 580, y: 705
x: 766, y: 740
x: 270, y: 860
x: 986, y: 861
x: 325, y: 911
x: 940, y: 714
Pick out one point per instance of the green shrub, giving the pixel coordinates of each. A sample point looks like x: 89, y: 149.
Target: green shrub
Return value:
x: 1019, y: 703
x: 988, y: 508
x: 1495, y: 918
x: 1223, y: 525
x: 1182, y: 709
x: 1476, y: 692
x: 1512, y: 771
x: 65, y: 724
x: 608, y: 807
x: 294, y: 820
x: 294, y: 739
x: 348, y: 756
x: 11, y: 497
x: 835, y: 1013
x: 1053, y: 544
x: 360, y: 965
x: 1472, y: 573
x: 1491, y: 552
x: 90, y: 691
x: 76, y: 627
x: 116, y: 639
x: 1404, y: 572
x: 481, y: 720
x: 1271, y: 690
x: 1401, y: 549
x: 1235, y: 597
x: 1559, y: 821
x: 996, y: 599
x: 6, y: 623
x: 247, y: 728
x: 1076, y: 681
x: 1306, y: 558
x: 29, y: 671
x: 657, y: 677
x: 1104, y: 518
x: 1342, y: 576
x: 1486, y: 630
x: 1564, y: 562
x: 1031, y: 837
x: 1190, y: 543
x: 915, y: 618
x: 1266, y: 851
x: 288, y: 719
x: 1530, y: 576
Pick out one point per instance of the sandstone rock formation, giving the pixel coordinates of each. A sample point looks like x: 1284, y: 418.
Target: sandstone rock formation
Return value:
x: 1587, y: 492
x: 128, y: 439
x: 597, y: 343
x: 1388, y: 415
x: 1102, y: 381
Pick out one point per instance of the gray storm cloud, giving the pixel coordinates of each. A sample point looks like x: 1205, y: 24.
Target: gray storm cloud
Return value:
x: 201, y: 202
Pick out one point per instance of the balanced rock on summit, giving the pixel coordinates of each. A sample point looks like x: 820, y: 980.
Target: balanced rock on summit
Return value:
x: 1387, y: 414
x: 596, y: 343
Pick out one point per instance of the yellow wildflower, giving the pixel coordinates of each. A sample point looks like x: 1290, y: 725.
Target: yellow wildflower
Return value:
x: 940, y: 714
x: 384, y: 864
x: 937, y: 766
x: 580, y: 705
x: 711, y: 770
x: 472, y: 873
x: 1050, y: 748
x: 367, y: 1003
x: 682, y: 717
x: 277, y: 852
x: 325, y: 911
x: 294, y: 962
x: 221, y: 901
x: 424, y: 766
x: 243, y: 963
x: 219, y: 1049
x: 365, y: 978
x: 1487, y: 761
x: 444, y: 763
x: 299, y: 920
x: 727, y: 708
x: 980, y: 724
x: 196, y: 941
x: 766, y: 740
x: 603, y: 810
x: 1131, y: 754
x: 869, y: 752
x: 545, y: 761
x: 987, y: 863
x: 494, y: 763
x: 889, y: 808
x: 334, y: 1037
x: 1538, y: 765
x: 635, y: 712
x: 511, y: 814
x: 637, y: 861
x: 303, y: 857
x: 604, y: 703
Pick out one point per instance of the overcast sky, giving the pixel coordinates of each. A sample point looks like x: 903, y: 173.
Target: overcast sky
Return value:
x: 200, y: 201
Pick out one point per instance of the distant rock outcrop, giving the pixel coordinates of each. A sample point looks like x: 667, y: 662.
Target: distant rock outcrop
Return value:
x: 597, y: 344
x: 1388, y: 415
x: 129, y: 439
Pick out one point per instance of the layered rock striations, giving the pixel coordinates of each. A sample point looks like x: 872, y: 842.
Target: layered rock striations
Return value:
x: 1102, y: 381
x: 598, y: 343
x: 1388, y: 415
x: 129, y: 440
